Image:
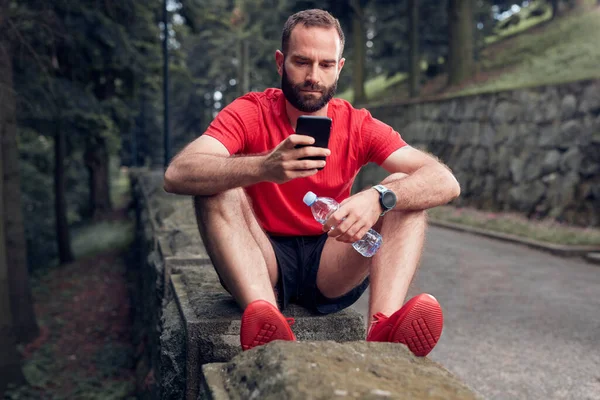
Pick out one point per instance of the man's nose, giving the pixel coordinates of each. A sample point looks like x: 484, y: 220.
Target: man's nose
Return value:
x: 312, y: 75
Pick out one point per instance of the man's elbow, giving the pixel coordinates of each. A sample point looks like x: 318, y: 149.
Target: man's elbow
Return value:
x: 453, y: 186
x: 450, y: 183
x: 170, y: 180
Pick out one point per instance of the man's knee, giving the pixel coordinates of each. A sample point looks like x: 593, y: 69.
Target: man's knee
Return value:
x: 225, y: 203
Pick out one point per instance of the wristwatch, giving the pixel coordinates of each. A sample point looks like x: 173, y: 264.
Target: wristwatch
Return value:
x: 387, y: 198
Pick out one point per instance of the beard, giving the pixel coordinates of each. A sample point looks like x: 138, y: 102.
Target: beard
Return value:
x: 306, y: 102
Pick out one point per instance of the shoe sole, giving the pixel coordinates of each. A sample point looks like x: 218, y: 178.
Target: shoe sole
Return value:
x: 421, y: 327
x: 261, y: 324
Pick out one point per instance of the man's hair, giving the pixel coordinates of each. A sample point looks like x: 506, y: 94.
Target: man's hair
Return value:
x: 310, y: 18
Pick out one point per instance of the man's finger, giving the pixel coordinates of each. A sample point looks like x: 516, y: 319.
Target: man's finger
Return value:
x: 312, y: 151
x: 294, y: 140
x: 303, y: 165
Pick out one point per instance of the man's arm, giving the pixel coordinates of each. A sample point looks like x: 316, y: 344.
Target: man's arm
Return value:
x: 205, y: 167
x: 429, y: 182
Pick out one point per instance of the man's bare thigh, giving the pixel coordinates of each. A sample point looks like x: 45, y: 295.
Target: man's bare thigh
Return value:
x: 341, y: 268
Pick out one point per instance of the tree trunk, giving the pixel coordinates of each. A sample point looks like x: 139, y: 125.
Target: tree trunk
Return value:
x: 415, y: 67
x: 97, y: 162
x: 244, y: 67
x: 460, y: 31
x: 359, y: 53
x: 555, y: 11
x: 65, y: 254
x: 21, y: 303
x: 10, y: 367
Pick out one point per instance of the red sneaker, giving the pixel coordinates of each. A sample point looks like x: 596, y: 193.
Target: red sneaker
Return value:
x: 418, y: 325
x: 261, y: 323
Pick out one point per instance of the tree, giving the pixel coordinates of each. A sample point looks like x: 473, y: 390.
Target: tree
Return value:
x: 461, y: 63
x: 414, y: 64
x: 10, y: 368
x: 359, y: 53
x: 555, y: 8
x: 25, y: 326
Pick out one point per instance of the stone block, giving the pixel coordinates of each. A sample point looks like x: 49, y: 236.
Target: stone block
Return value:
x: 170, y: 376
x: 329, y: 370
x: 212, y: 322
x: 182, y: 242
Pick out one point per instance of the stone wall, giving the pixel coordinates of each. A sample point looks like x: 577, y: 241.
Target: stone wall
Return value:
x: 535, y: 151
x: 188, y: 326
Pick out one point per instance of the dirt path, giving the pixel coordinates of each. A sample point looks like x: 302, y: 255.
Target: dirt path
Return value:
x: 85, y: 349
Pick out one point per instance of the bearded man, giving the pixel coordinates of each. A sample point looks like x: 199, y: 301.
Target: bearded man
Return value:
x: 248, y: 179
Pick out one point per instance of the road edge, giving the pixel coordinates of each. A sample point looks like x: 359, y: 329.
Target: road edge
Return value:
x: 589, y: 253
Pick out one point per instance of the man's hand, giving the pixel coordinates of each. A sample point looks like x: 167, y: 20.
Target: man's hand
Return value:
x: 283, y: 164
x: 356, y: 215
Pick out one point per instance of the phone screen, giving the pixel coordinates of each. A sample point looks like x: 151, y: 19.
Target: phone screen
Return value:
x: 317, y: 127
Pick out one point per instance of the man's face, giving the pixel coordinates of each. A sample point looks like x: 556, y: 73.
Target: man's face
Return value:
x: 310, y: 69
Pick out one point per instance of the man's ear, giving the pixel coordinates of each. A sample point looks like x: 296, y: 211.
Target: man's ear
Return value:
x: 279, y: 57
x: 341, y: 65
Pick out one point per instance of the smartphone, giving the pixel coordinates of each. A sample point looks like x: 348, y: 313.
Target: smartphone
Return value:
x: 317, y: 127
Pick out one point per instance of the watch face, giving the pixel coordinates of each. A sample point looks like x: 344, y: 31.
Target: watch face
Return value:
x: 389, y: 200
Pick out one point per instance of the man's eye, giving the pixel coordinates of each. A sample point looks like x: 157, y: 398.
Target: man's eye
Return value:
x: 326, y: 65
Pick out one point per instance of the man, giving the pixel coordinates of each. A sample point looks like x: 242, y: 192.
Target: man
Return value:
x: 248, y: 183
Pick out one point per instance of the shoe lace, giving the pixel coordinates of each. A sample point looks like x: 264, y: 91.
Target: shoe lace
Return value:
x: 290, y: 321
x: 378, y: 317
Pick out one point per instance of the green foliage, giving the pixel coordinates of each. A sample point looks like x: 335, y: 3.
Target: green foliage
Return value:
x: 375, y: 87
x: 80, y: 68
x: 566, y: 50
x: 527, y: 20
x: 92, y: 239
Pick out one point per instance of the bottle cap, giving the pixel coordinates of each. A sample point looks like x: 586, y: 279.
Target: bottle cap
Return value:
x: 309, y: 198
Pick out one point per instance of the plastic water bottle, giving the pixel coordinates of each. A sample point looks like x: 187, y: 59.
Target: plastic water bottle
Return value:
x: 323, y: 207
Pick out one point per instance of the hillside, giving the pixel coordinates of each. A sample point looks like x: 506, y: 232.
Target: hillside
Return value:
x: 537, y: 52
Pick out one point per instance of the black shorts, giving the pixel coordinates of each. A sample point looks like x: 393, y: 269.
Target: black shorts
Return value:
x: 298, y: 260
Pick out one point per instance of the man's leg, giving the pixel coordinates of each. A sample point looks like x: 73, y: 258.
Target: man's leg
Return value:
x: 239, y: 249
x: 244, y: 259
x: 390, y: 271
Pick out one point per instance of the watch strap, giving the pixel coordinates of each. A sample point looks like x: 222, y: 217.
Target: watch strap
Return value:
x: 381, y: 189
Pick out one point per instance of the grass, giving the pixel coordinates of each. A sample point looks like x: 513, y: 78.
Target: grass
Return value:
x: 543, y: 230
x: 533, y: 53
x: 525, y: 24
x: 112, y: 234
x: 565, y: 50
x: 120, y: 185
x: 101, y: 236
x: 375, y: 87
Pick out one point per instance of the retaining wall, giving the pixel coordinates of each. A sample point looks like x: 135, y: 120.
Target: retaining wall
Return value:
x: 535, y: 151
x: 188, y: 329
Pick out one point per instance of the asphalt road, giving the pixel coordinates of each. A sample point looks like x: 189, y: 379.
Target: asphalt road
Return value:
x: 518, y: 323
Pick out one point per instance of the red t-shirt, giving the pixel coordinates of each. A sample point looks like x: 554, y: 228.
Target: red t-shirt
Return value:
x: 257, y: 122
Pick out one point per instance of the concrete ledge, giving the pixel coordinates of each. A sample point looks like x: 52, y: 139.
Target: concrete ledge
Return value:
x: 556, y: 249
x: 182, y: 242
x: 187, y: 322
x: 212, y: 322
x: 328, y: 370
